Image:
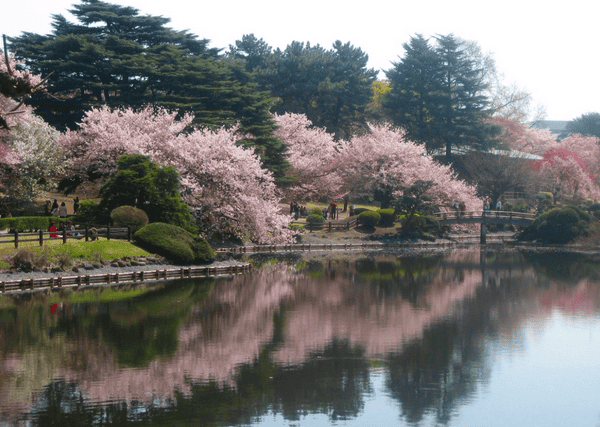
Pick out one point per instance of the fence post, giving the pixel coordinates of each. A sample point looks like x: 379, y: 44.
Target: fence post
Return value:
x: 87, y: 230
x: 129, y: 233
x: 108, y: 232
x: 41, y: 237
x: 16, y: 238
x: 329, y: 225
x: 64, y: 236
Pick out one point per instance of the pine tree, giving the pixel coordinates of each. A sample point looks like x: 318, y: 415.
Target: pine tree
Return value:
x: 437, y: 96
x: 413, y: 101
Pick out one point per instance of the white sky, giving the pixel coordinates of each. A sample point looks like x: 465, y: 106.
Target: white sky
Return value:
x: 547, y: 48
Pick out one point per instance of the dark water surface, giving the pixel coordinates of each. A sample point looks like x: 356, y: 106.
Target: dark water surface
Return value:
x: 468, y: 338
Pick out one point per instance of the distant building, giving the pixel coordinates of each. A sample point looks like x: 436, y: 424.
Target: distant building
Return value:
x: 556, y: 127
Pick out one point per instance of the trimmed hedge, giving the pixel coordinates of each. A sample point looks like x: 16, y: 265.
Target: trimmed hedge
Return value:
x: 124, y: 216
x: 29, y: 222
x: 388, y: 216
x: 174, y: 243
x: 369, y: 219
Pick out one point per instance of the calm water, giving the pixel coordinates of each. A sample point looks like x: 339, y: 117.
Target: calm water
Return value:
x: 462, y: 339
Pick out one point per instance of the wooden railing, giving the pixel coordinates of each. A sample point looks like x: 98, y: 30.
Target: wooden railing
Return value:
x: 481, y: 216
x: 120, y: 277
x: 86, y: 233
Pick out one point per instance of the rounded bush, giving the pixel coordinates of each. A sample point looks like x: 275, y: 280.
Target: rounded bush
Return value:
x: 369, y: 219
x: 388, y: 216
x: 315, y: 221
x: 316, y: 211
x: 358, y: 211
x: 174, y: 243
x: 124, y: 216
x: 558, y: 225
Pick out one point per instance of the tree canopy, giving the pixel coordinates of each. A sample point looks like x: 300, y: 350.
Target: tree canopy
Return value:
x: 114, y: 56
x: 332, y: 87
x: 437, y: 95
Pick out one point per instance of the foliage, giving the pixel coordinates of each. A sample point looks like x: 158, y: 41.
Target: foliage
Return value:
x: 223, y: 181
x: 16, y: 86
x: 331, y: 87
x: 142, y: 183
x: 89, y: 212
x: 587, y: 125
x: 129, y: 216
x: 559, y: 225
x: 39, y: 157
x: 414, y: 199
x: 315, y: 219
x: 28, y: 222
x: 174, y: 243
x: 116, y: 57
x: 383, y: 162
x: 388, y: 216
x: 369, y: 219
x: 316, y: 211
x: 437, y: 95
x: 312, y: 153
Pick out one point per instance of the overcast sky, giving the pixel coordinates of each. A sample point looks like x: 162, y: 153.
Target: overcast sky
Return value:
x: 547, y: 48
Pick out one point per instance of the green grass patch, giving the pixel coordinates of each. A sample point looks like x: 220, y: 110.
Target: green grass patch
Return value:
x: 78, y: 249
x: 98, y: 295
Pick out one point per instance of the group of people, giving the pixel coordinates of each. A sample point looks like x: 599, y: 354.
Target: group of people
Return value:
x: 297, y: 210
x: 60, y: 210
x: 68, y: 228
x: 331, y: 210
x: 460, y: 207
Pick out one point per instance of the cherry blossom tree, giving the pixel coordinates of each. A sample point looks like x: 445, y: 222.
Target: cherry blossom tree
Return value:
x: 313, y: 154
x: 35, y: 157
x: 567, y: 174
x: 221, y: 178
x: 16, y: 86
x: 517, y: 136
x: 383, y: 160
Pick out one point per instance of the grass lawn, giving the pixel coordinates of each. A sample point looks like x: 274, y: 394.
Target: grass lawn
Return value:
x: 74, y: 249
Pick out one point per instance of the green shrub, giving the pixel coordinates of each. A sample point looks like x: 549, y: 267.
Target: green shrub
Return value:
x: 358, y: 211
x: 28, y: 222
x: 388, y: 217
x: 558, y: 225
x: 90, y: 212
x: 369, y: 219
x: 124, y: 216
x: 315, y: 221
x: 316, y: 211
x: 174, y: 243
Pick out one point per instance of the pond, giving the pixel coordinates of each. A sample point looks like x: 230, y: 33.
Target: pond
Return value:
x: 462, y: 338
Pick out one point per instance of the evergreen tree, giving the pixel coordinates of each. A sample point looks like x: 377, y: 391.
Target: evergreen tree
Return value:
x: 414, y: 99
x: 331, y: 87
x: 115, y: 57
x: 587, y: 125
x: 437, y: 96
x: 462, y: 110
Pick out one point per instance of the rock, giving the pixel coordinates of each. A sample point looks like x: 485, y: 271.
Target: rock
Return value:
x: 96, y: 265
x: 114, y: 264
x: 122, y: 264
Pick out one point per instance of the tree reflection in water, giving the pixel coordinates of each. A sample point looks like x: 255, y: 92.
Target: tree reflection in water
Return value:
x: 283, y: 340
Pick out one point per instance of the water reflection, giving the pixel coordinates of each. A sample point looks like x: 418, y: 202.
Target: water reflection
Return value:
x: 421, y: 336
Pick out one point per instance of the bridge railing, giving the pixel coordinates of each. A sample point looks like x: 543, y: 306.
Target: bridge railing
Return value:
x: 482, y: 214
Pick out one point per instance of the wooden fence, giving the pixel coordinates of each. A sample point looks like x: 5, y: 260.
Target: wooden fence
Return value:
x: 86, y: 233
x: 54, y: 283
